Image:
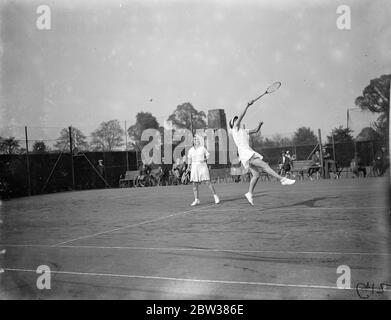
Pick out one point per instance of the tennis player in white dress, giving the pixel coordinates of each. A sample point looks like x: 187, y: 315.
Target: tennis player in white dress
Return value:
x: 249, y: 158
x: 197, y: 157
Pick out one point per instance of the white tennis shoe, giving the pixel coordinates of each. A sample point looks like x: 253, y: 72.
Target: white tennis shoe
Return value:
x: 287, y: 182
x: 217, y: 199
x: 249, y: 197
x: 196, y: 202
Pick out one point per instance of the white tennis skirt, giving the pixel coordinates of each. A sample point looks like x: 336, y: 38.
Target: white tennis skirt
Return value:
x: 245, y: 154
x: 199, y: 172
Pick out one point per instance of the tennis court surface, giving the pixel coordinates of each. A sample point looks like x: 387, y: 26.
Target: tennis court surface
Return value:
x: 148, y: 243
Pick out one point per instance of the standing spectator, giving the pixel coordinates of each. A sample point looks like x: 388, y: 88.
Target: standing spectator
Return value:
x: 281, y: 162
x: 184, y: 163
x: 288, y: 155
x: 165, y: 173
x: 176, y: 168
x: 101, y: 168
x: 315, y: 164
x: 329, y: 164
x: 284, y: 163
x: 100, y: 179
x: 288, y: 163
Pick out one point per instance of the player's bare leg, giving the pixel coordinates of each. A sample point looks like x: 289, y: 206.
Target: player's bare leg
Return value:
x: 254, y: 179
x: 211, y: 187
x: 257, y: 162
x: 253, y: 183
x: 195, y: 191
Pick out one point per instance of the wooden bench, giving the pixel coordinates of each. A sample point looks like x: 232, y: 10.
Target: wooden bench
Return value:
x: 129, y: 179
x: 299, y: 167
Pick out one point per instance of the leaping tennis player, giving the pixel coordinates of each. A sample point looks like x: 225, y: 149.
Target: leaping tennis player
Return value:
x: 249, y: 158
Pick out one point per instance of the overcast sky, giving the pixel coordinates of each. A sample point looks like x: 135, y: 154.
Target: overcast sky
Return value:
x: 105, y: 60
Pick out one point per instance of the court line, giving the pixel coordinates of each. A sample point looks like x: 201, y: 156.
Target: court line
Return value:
x: 228, y: 282
x: 304, y: 208
x: 132, y: 225
x: 296, y: 189
x: 202, y: 250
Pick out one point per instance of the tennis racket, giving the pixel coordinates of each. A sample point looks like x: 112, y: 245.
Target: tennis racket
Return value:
x: 270, y: 89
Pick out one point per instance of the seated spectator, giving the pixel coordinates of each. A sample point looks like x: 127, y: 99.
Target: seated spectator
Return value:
x: 357, y: 166
x: 176, y: 168
x: 164, y: 173
x: 145, y: 170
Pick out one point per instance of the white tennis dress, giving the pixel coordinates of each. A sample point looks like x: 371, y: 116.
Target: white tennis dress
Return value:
x: 199, y: 168
x: 242, y: 141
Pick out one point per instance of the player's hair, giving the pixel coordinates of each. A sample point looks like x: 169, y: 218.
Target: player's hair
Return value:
x: 199, y: 138
x: 232, y: 121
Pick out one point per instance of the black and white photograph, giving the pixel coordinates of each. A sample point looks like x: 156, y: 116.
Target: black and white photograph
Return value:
x: 195, y: 150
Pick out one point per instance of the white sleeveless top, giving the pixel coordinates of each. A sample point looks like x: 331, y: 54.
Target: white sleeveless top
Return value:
x: 242, y: 141
x: 196, y: 155
x: 241, y: 138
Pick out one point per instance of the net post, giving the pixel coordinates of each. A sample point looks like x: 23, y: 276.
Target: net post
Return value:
x: 126, y: 148
x: 71, y: 151
x: 27, y: 163
x: 321, y: 154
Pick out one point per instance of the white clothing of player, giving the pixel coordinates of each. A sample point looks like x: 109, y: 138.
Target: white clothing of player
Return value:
x: 242, y: 140
x: 197, y: 157
x: 199, y: 168
x: 249, y: 158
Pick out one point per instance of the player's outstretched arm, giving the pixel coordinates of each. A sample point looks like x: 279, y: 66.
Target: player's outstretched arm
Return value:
x: 256, y: 130
x: 241, y: 116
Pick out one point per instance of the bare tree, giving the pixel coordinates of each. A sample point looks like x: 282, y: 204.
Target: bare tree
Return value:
x: 108, y: 137
x: 79, y: 140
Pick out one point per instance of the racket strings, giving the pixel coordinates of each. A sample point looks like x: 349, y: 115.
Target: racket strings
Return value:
x: 273, y: 87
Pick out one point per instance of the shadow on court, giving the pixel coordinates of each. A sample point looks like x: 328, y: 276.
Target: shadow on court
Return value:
x: 311, y: 203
